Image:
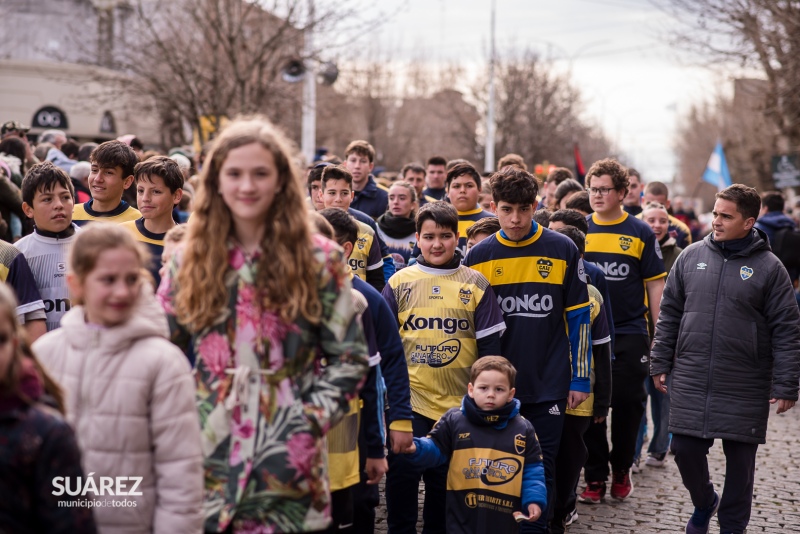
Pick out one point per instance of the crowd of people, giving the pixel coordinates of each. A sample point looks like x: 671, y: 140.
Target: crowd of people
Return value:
x: 241, y: 342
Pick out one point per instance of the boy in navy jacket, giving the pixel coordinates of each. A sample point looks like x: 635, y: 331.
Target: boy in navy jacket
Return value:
x: 495, y: 463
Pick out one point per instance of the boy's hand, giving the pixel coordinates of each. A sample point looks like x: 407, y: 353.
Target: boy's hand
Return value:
x: 400, y: 441
x: 534, y: 513
x: 576, y: 398
x: 784, y: 405
x: 411, y: 449
x: 660, y: 382
x: 376, y: 468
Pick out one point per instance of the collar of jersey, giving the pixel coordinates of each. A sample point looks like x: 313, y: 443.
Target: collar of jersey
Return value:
x: 435, y: 271
x: 470, y: 212
x: 536, y: 231
x: 610, y: 223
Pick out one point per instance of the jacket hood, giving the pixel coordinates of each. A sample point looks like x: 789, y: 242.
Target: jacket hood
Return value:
x: 760, y: 241
x: 147, y: 320
x: 775, y: 220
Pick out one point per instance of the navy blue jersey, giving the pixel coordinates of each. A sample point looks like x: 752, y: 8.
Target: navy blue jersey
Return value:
x: 540, y: 285
x: 627, y: 252
x: 153, y: 242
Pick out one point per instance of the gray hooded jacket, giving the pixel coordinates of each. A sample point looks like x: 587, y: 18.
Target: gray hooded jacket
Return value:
x: 729, y: 334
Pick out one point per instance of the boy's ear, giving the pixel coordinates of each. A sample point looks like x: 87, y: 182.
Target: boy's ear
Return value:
x: 348, y: 249
x: 127, y: 182
x: 470, y: 389
x: 27, y: 209
x: 511, y: 393
x: 493, y: 206
x: 177, y: 196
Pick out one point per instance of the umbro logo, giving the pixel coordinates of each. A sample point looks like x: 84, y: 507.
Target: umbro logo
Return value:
x: 554, y: 410
x: 702, y: 266
x: 644, y: 359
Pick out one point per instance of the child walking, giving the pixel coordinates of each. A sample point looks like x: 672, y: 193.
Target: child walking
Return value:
x: 495, y: 463
x: 129, y: 391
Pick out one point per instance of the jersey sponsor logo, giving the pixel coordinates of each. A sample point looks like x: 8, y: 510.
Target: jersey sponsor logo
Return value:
x: 435, y: 356
x: 471, y: 500
x: 658, y: 251
x: 554, y: 410
x: 544, y: 266
x: 61, y: 267
x: 498, y: 271
x: 465, y: 295
x: 746, y: 272
x: 465, y: 435
x: 436, y: 290
x: 492, y: 472
x: 450, y: 325
x: 519, y: 443
x: 357, y: 265
x: 57, y: 305
x: 613, y: 270
x: 524, y: 305
x: 582, y: 271
x: 361, y: 243
x: 625, y: 243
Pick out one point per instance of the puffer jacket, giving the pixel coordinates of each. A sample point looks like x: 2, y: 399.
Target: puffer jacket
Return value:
x: 729, y: 333
x: 130, y: 398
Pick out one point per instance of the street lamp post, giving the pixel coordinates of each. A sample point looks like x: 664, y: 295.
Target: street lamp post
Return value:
x: 488, y: 165
x: 309, y: 132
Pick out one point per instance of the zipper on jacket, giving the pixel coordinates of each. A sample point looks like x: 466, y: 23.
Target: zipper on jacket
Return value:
x: 711, y: 356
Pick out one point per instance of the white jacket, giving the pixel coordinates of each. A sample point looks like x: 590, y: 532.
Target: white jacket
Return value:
x: 130, y: 398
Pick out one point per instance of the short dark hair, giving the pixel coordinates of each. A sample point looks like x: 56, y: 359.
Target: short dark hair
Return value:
x: 453, y: 162
x: 85, y: 151
x: 655, y: 188
x: 580, y: 202
x: 634, y: 172
x: 344, y: 225
x: 13, y: 146
x: 566, y: 187
x: 515, y: 186
x: 70, y: 149
x: 361, y: 148
x: 441, y: 213
x: 613, y: 168
x: 558, y: 175
x: 413, y: 167
x: 315, y: 173
x: 773, y: 201
x: 571, y: 218
x: 321, y: 225
x: 461, y: 169
x: 113, y: 154
x: 493, y: 363
x: 542, y: 217
x: 165, y: 168
x: 512, y: 159
x: 487, y: 225
x: 577, y: 237
x: 747, y: 201
x: 335, y: 172
x: 436, y: 160
x: 44, y: 177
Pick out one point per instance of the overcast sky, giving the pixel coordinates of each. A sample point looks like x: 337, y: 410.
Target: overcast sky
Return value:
x: 632, y: 82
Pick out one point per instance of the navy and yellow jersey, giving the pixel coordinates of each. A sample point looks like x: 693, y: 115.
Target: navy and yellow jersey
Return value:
x: 153, y: 242
x: 493, y: 472
x: 600, y: 335
x: 15, y: 271
x: 465, y: 220
x: 627, y: 252
x: 366, y: 255
x: 83, y: 214
x: 540, y: 285
x: 442, y: 315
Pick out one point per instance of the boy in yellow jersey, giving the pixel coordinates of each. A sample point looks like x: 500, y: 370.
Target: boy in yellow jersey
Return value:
x: 111, y: 174
x: 159, y: 184
x: 448, y: 317
x: 463, y: 189
x: 365, y: 261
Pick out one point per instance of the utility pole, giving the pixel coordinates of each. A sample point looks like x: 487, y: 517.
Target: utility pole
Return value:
x: 309, y: 133
x: 488, y: 165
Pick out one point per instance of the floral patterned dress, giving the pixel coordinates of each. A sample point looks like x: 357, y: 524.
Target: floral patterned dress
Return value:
x: 266, y: 401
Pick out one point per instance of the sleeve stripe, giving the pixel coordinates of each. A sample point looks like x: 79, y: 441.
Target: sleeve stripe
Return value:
x: 571, y: 308
x: 499, y: 327
x: 375, y: 266
x: 662, y: 275
x: 375, y: 360
x: 606, y: 339
x: 30, y: 307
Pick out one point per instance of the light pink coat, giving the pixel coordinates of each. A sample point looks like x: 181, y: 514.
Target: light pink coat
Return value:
x: 130, y: 398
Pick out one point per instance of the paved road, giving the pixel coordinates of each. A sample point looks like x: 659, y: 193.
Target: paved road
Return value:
x: 660, y: 503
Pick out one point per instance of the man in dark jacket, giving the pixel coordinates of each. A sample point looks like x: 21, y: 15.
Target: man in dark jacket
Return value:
x: 771, y: 217
x: 729, y: 336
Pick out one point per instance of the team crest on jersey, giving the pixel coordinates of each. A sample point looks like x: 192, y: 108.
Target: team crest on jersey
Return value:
x: 746, y: 272
x: 544, y: 266
x: 465, y: 295
x: 498, y: 271
x: 519, y: 443
x: 361, y: 242
x: 625, y: 243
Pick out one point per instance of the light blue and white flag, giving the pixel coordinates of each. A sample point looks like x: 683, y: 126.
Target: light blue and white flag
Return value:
x: 717, y: 172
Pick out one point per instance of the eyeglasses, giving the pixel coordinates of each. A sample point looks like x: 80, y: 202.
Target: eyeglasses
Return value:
x: 602, y: 191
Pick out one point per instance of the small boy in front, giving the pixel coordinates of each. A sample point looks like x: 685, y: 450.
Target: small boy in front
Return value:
x: 496, y: 476
x: 111, y: 174
x: 47, y: 198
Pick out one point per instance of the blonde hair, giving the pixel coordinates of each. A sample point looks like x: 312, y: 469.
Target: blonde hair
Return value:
x: 97, y: 238
x: 176, y: 234
x: 286, y: 276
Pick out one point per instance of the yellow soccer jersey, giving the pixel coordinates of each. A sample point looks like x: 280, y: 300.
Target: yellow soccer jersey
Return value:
x: 441, y: 314
x: 600, y: 335
x: 83, y: 214
x: 343, y: 449
x: 366, y: 254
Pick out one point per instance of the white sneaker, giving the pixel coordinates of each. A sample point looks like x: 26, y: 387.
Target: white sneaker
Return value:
x: 635, y: 468
x: 571, y: 518
x: 654, y: 461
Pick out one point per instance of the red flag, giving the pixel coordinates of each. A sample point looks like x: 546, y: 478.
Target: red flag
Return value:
x: 580, y: 170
